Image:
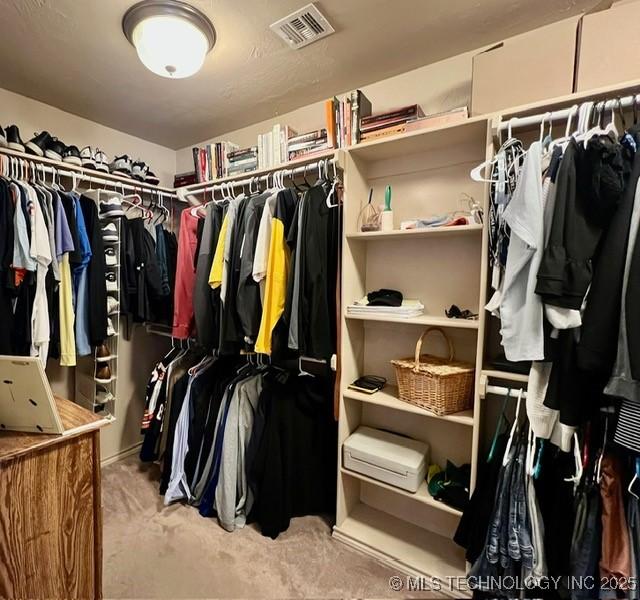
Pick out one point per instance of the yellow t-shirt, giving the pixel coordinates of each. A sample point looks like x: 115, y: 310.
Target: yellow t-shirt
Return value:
x: 275, y: 286
x: 67, y: 316
x: 215, y: 275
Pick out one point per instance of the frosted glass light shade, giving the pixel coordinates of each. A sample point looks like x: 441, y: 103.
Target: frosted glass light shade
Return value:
x: 172, y: 38
x: 170, y: 46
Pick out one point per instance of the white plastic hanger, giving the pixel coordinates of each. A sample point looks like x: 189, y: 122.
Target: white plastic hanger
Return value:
x: 514, y: 427
x: 598, y: 469
x: 563, y: 141
x: 135, y: 201
x: 476, y: 172
x: 332, y: 191
x: 577, y: 476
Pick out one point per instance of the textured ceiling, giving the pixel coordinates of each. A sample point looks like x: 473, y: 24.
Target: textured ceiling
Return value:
x: 72, y: 54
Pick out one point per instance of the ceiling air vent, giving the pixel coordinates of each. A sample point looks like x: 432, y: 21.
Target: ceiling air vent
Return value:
x: 303, y: 27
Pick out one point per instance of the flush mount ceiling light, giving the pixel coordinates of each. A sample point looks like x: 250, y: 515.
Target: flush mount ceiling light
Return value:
x: 172, y: 38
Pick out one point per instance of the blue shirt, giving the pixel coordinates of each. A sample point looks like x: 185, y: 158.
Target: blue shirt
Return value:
x: 81, y: 284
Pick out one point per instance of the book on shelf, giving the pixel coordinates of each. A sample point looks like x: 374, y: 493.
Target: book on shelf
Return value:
x: 406, y: 113
x: 360, y: 109
x: 243, y: 160
x: 272, y: 146
x: 238, y: 170
x: 306, y: 154
x: 378, y: 133
x: 343, y: 117
x: 182, y: 179
x: 449, y: 117
x: 307, y: 143
x: 310, y: 136
x: 242, y: 153
x: 210, y: 162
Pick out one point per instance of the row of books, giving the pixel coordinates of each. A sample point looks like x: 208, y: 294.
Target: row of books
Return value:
x: 343, y: 118
x: 348, y: 121
x: 372, y: 126
x: 211, y: 162
x: 405, y: 119
x: 273, y: 146
x: 307, y: 144
x: 242, y: 161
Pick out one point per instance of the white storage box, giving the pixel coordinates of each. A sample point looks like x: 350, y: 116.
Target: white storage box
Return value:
x: 388, y: 457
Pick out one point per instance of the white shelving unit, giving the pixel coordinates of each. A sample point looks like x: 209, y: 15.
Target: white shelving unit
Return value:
x: 388, y: 398
x: 416, y: 233
x: 429, y: 173
x: 428, y: 170
x: 424, y: 320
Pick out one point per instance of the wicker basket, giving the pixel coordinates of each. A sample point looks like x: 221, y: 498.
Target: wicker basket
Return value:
x: 443, y: 386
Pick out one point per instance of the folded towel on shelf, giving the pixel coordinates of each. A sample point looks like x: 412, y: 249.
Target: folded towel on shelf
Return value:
x: 408, y: 309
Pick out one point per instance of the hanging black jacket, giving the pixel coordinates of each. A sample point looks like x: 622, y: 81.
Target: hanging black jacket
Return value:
x: 171, y: 247
x: 128, y: 279
x: 248, y: 302
x: 96, y: 273
x: 6, y: 273
x: 147, y: 272
x: 589, y: 186
x: 632, y: 300
x: 206, y: 302
x: 231, y: 338
x: 318, y: 276
x: 601, y: 321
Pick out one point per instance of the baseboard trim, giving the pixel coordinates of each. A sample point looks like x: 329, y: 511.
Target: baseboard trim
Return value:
x: 389, y: 561
x: 121, y: 455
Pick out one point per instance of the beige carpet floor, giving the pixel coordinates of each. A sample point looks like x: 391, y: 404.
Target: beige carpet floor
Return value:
x: 153, y: 551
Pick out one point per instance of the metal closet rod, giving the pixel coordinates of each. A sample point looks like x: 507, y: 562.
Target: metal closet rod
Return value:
x: 306, y: 168
x: 563, y: 114
x: 498, y: 390
x: 44, y: 165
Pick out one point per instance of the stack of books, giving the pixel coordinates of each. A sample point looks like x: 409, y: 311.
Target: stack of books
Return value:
x: 210, y: 162
x: 307, y: 145
x: 242, y: 161
x: 389, y: 123
x: 272, y: 146
x: 182, y: 179
x: 343, y: 118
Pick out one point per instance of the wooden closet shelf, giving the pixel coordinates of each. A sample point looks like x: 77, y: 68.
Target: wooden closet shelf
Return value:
x: 388, y: 397
x: 403, y: 545
x: 422, y: 495
x: 65, y: 166
x: 424, y: 320
x: 416, y: 233
x: 422, y: 140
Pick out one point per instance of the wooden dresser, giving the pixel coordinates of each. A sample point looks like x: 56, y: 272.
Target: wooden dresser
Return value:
x: 50, y: 510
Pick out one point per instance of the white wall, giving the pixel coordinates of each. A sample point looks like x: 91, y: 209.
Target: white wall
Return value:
x: 32, y: 117
x: 436, y: 87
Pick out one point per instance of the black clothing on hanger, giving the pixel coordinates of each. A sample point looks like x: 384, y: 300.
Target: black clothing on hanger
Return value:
x: 7, y: 284
x: 600, y: 325
x: 96, y: 273
x: 248, y: 302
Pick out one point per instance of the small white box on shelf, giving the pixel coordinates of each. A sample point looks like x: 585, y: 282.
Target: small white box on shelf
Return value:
x: 388, y: 457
